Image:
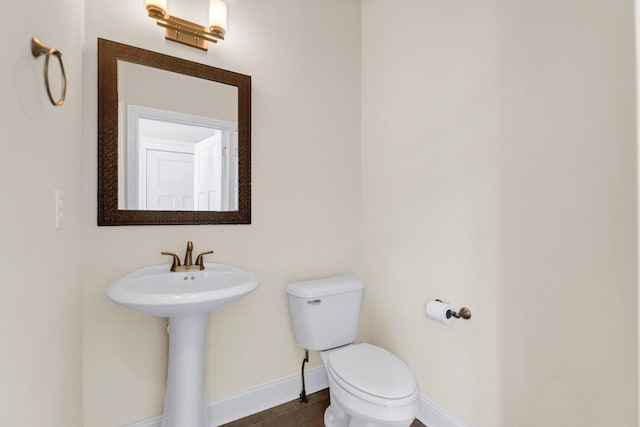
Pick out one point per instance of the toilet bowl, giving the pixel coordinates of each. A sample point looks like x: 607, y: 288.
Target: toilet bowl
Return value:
x: 368, y: 385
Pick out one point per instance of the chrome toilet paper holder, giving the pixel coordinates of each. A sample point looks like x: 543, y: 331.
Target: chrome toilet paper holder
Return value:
x: 463, y: 313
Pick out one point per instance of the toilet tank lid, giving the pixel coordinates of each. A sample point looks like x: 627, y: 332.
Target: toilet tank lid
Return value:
x: 325, y: 286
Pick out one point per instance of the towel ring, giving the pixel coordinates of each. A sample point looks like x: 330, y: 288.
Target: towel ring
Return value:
x: 38, y: 49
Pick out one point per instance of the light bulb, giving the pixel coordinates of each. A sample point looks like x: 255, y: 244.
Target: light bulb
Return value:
x: 163, y: 5
x: 218, y: 15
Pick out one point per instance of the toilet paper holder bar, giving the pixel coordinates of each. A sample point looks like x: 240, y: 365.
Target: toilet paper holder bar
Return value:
x: 463, y: 313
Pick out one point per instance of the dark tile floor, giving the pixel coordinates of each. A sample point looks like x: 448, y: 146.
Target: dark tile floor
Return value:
x: 294, y: 414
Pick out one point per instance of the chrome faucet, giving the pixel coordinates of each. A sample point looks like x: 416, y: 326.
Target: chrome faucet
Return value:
x: 188, y: 263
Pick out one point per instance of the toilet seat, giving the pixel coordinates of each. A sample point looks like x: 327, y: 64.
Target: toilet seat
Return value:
x: 371, y: 373
x: 359, y: 374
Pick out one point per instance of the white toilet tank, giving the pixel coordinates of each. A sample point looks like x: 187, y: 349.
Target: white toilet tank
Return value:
x: 325, y: 312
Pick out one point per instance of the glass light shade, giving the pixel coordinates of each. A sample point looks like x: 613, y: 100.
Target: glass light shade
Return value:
x: 218, y: 14
x: 161, y: 4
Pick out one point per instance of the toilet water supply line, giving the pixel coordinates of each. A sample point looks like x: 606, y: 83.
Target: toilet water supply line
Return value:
x: 303, y: 393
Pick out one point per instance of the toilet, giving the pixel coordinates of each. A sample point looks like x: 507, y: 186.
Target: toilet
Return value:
x: 368, y: 385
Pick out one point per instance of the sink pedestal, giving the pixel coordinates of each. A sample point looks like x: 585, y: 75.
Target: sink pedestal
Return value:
x: 184, y: 404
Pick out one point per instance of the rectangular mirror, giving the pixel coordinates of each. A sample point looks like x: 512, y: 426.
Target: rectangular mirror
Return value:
x: 174, y: 140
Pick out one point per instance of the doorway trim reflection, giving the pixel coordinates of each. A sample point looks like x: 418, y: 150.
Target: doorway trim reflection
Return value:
x: 134, y: 180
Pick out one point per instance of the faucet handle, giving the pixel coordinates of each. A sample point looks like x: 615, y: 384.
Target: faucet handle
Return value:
x: 200, y: 259
x: 176, y: 260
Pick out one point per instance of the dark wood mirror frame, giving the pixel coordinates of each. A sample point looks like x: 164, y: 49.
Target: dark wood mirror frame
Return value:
x: 108, y: 213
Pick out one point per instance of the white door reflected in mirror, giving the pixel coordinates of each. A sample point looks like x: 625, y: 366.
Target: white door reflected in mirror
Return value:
x: 180, y: 162
x: 178, y: 151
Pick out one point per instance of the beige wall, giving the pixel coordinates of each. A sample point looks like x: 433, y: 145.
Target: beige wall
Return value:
x: 165, y: 90
x: 305, y: 207
x: 499, y: 172
x: 568, y: 180
x: 430, y: 203
x: 40, y: 293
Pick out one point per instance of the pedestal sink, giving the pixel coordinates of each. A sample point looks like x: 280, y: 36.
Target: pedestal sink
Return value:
x: 186, y: 298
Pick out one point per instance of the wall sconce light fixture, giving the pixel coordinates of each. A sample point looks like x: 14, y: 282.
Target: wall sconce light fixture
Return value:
x: 186, y: 32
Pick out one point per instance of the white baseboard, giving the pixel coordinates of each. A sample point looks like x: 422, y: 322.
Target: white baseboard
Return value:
x: 256, y: 399
x: 433, y: 415
x: 151, y: 422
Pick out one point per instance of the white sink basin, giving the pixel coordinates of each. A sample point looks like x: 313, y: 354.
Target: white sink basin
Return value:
x: 158, y: 291
x: 186, y: 298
